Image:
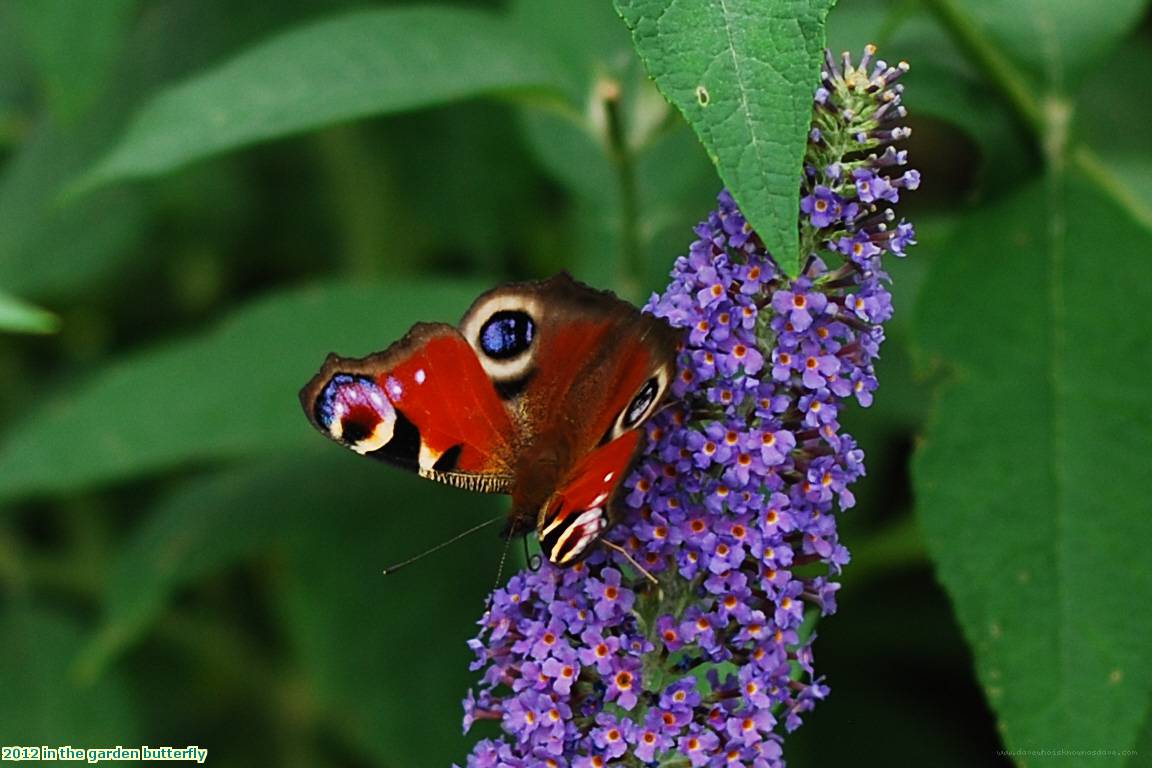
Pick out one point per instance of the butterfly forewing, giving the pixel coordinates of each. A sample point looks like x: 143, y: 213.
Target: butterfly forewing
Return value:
x: 424, y: 404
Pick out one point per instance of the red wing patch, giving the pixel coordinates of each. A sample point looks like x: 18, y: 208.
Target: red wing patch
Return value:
x: 579, y: 512
x: 424, y: 404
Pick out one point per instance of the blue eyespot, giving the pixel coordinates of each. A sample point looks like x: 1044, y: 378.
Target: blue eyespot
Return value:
x: 507, y: 334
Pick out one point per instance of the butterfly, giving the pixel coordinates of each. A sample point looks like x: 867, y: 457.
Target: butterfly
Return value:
x: 540, y: 393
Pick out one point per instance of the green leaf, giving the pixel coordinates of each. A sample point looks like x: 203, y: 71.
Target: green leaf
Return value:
x: 43, y: 702
x: 1120, y: 136
x: 342, y: 68
x: 20, y: 317
x: 743, y: 72
x: 74, y: 49
x: 229, y: 393
x: 1143, y: 745
x: 50, y: 248
x: 1030, y: 481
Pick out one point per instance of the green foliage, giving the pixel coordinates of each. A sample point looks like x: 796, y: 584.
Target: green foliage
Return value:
x: 361, y: 658
x: 1055, y: 41
x: 335, y: 70
x: 743, y: 74
x: 52, y: 247
x: 1044, y: 393
x: 206, y: 198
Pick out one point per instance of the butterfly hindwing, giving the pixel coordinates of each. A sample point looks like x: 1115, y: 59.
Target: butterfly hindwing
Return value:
x: 580, y: 511
x: 581, y: 371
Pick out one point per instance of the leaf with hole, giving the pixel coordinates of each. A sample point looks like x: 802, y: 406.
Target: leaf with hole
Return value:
x: 743, y: 72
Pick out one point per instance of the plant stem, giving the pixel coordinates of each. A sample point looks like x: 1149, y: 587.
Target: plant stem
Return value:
x: 363, y: 202
x: 1047, y: 120
x: 1092, y: 167
x: 995, y: 65
x: 624, y: 161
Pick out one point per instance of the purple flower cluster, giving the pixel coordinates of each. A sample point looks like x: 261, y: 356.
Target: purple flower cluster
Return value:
x: 734, y: 502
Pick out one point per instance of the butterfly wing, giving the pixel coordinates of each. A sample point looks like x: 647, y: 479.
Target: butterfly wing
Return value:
x: 425, y: 404
x: 580, y: 371
x: 581, y: 510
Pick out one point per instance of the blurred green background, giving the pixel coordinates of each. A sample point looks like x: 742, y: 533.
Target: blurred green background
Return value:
x: 208, y: 196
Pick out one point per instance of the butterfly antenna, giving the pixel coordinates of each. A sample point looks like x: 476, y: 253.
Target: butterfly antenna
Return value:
x: 632, y: 560
x: 503, y: 557
x: 393, y: 568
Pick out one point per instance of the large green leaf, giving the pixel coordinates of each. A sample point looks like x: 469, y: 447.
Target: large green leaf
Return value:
x: 21, y: 317
x: 229, y: 393
x: 50, y: 248
x: 1031, y: 478
x: 743, y: 72
x: 43, y: 702
x: 338, y: 69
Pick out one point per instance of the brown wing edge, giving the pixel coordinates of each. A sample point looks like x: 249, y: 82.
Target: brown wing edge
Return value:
x: 567, y: 288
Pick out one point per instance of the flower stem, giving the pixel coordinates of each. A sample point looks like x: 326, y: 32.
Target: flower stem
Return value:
x: 624, y: 161
x: 1092, y: 167
x: 995, y: 65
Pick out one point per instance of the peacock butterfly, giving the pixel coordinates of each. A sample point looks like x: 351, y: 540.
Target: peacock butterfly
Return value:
x: 539, y: 393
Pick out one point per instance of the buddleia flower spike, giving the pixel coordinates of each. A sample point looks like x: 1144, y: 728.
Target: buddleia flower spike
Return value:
x: 733, y: 507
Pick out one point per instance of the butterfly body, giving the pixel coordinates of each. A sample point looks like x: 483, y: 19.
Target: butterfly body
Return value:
x: 539, y: 393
